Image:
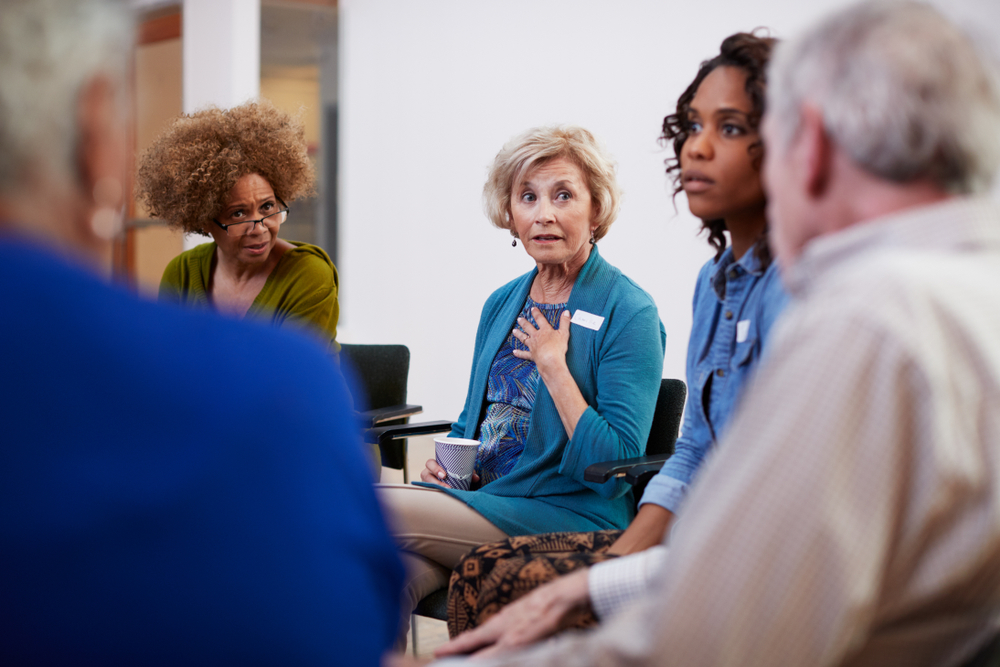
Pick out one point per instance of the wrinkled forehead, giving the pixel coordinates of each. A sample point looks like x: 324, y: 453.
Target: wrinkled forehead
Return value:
x: 531, y: 167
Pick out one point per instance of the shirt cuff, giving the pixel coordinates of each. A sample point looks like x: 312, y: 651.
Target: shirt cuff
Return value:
x: 666, y: 492
x: 616, y: 583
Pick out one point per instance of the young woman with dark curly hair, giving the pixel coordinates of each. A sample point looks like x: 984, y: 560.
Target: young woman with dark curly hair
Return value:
x: 230, y: 174
x: 738, y: 296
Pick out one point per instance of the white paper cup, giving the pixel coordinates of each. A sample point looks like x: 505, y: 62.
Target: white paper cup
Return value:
x: 458, y: 457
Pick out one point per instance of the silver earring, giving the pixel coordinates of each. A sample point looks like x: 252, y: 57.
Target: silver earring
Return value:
x: 592, y: 239
x: 513, y: 244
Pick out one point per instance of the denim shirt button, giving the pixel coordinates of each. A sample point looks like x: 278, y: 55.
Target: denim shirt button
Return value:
x: 720, y: 372
x: 729, y: 314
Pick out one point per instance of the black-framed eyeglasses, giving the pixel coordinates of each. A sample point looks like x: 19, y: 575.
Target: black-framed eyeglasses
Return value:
x: 244, y: 227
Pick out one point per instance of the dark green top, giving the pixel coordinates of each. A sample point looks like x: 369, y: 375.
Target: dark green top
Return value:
x: 302, y: 288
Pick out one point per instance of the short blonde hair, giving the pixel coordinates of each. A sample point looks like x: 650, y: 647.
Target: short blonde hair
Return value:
x: 539, y: 145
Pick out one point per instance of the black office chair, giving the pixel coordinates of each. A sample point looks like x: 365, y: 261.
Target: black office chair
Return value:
x: 382, y: 371
x: 659, y: 447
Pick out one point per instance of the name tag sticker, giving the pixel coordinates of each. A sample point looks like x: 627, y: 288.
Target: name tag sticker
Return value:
x: 742, y: 330
x: 588, y: 320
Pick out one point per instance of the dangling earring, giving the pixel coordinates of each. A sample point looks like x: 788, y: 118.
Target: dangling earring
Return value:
x: 106, y: 222
x: 592, y: 239
x: 513, y: 244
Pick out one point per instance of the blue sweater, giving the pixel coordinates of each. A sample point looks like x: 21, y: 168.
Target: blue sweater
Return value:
x: 617, y: 369
x: 178, y: 488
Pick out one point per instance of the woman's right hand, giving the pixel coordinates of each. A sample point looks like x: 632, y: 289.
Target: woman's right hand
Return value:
x: 433, y: 473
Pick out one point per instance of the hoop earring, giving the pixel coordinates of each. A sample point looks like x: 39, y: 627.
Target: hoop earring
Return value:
x: 513, y: 244
x: 592, y: 239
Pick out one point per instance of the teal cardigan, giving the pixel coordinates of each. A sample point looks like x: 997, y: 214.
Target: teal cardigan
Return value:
x: 617, y: 369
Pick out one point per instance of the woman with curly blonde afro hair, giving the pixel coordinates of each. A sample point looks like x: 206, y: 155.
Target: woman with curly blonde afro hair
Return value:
x: 230, y: 174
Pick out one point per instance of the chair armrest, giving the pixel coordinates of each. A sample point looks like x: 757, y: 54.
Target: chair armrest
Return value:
x: 641, y: 474
x: 383, y: 434
x: 372, y: 418
x: 602, y: 472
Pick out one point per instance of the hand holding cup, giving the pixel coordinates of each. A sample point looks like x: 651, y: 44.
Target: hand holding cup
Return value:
x: 454, y: 463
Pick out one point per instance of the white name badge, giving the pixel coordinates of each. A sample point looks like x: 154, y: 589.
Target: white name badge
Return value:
x: 742, y: 330
x: 588, y: 320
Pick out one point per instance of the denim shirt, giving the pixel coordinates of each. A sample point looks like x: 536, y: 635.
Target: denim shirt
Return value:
x: 735, y: 305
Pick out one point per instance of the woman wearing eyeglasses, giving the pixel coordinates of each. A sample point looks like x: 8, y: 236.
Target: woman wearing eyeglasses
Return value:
x: 230, y: 174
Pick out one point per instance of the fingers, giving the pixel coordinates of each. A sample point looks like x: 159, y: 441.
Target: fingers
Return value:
x: 519, y: 634
x: 436, y: 468
x: 525, y: 328
x: 433, y: 473
x: 470, y: 641
x: 541, y: 322
x: 522, y: 622
x: 518, y: 330
x: 396, y: 660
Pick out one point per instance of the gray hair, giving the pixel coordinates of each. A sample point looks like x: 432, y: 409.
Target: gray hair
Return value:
x: 48, y: 50
x: 537, y: 146
x: 902, y: 91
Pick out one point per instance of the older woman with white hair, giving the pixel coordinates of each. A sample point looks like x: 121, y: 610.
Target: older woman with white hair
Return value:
x: 146, y: 520
x: 565, y: 373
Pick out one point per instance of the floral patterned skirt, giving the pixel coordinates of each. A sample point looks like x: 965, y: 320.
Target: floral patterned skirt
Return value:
x: 494, y: 575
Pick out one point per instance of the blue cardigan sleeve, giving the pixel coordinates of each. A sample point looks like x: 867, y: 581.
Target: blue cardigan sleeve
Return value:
x: 628, y: 382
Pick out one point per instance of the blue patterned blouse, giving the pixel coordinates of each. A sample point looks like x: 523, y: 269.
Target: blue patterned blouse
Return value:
x: 510, y: 395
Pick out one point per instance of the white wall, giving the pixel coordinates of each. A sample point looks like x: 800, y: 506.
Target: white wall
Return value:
x: 221, y: 59
x: 430, y: 91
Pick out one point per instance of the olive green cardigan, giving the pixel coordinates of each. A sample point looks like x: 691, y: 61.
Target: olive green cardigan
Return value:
x: 301, y: 290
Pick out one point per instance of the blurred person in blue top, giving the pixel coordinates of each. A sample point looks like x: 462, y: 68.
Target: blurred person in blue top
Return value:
x: 738, y: 296
x: 565, y: 373
x: 175, y: 487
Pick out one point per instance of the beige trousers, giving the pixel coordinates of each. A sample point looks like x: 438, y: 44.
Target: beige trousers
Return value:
x: 433, y: 530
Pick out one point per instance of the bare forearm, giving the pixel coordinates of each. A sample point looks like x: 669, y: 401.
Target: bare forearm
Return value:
x: 647, y: 529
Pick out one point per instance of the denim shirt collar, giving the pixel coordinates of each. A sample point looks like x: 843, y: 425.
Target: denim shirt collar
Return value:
x: 726, y: 268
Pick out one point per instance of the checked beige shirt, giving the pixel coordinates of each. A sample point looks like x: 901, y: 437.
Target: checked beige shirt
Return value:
x: 851, y: 516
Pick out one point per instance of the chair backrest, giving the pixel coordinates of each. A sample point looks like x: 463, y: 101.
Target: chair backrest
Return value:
x: 667, y: 417
x: 382, y: 371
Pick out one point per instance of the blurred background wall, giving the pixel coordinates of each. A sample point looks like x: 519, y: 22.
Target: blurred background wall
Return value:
x: 405, y: 104
x: 429, y: 93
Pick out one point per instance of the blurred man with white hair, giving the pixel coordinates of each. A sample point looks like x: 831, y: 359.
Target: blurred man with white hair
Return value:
x: 153, y: 510
x: 852, y: 515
